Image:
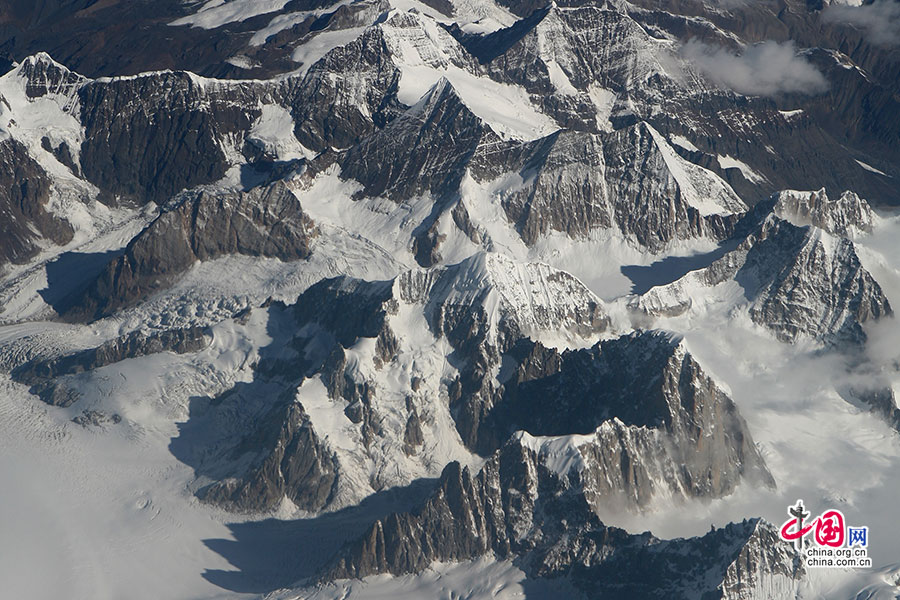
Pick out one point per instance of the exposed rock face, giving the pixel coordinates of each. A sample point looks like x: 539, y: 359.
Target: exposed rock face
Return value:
x: 637, y: 410
x: 139, y: 150
x: 368, y: 385
x: 510, y: 299
x: 797, y: 281
x: 881, y: 401
x: 24, y: 193
x: 347, y: 95
x: 515, y: 507
x: 275, y: 451
x: 846, y: 215
x: 636, y: 416
x: 631, y: 180
x: 44, y: 76
x: 574, y: 52
x: 863, y: 80
x: 483, y: 306
x: 599, y: 67
x: 345, y: 341
x: 661, y: 197
x: 202, y: 226
x: 822, y: 290
x: 105, y: 39
x: 645, y: 427
x: 424, y: 150
x: 292, y: 464
x: 352, y: 92
x: 739, y: 561
x: 46, y: 376
x: 571, y: 182
x: 134, y: 144
x: 563, y: 189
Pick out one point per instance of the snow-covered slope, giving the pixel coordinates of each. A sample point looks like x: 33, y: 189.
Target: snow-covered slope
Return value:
x: 458, y: 297
x: 796, y: 281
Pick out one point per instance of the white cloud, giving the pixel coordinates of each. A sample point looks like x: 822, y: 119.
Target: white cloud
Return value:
x: 765, y: 69
x: 880, y: 20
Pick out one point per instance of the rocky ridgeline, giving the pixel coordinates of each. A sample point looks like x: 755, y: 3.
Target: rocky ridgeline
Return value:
x: 631, y: 181
x: 599, y: 67
x: 844, y: 216
x: 47, y: 377
x: 139, y: 150
x: 798, y: 281
x: 349, y: 335
x: 606, y: 75
x: 134, y: 148
x: 517, y: 508
x: 292, y: 463
x: 426, y: 149
x: 644, y: 429
x: 24, y: 194
x: 369, y: 385
x: 266, y: 221
x: 638, y: 418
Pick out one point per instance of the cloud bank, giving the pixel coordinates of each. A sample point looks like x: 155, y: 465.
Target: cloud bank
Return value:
x: 880, y: 20
x: 766, y: 69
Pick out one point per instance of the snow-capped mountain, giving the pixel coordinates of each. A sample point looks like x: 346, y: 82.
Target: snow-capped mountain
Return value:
x: 796, y: 280
x: 464, y: 298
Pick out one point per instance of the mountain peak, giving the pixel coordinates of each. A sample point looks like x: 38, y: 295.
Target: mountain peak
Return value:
x: 44, y: 76
x: 847, y: 215
x: 541, y: 300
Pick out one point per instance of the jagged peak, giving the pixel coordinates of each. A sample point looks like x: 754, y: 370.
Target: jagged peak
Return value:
x: 412, y: 37
x: 41, y: 76
x: 539, y: 299
x: 797, y: 281
x: 41, y: 68
x: 846, y: 215
x: 442, y: 91
x: 42, y: 58
x: 700, y: 188
x: 483, y: 271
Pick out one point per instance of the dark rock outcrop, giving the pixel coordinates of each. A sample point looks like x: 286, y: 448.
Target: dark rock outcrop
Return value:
x: 47, y: 377
x: 292, y: 464
x: 168, y: 140
x: 424, y: 150
x: 666, y: 389
x: 561, y: 54
x: 347, y: 95
x: 799, y: 281
x: 516, y: 508
x: 319, y: 336
x: 650, y: 425
x: 95, y: 418
x: 24, y: 193
x: 202, y: 226
x: 265, y: 448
